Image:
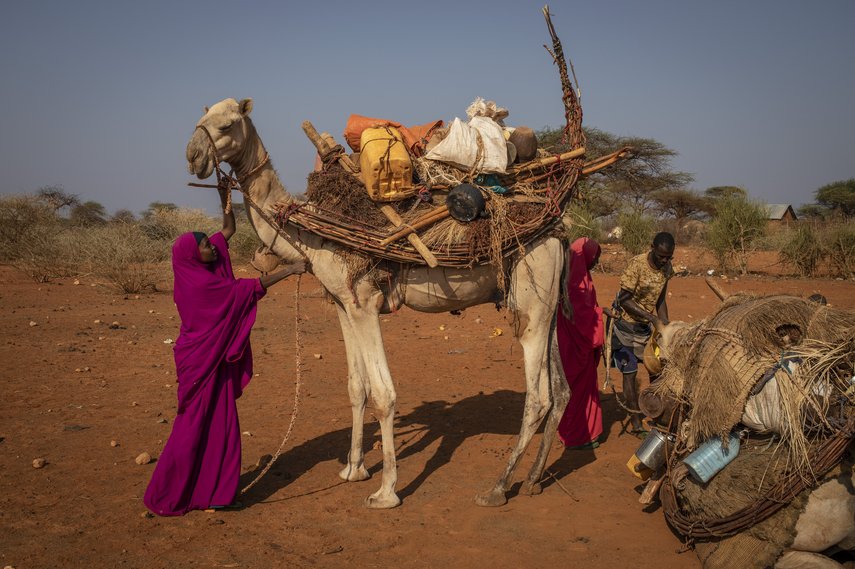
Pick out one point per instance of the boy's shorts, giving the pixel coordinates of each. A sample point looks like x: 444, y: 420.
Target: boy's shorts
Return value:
x: 624, y: 360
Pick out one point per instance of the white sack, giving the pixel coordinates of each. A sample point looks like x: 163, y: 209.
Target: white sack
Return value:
x: 495, y: 158
x: 460, y: 146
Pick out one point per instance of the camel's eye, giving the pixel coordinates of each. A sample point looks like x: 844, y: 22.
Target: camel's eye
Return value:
x: 226, y: 127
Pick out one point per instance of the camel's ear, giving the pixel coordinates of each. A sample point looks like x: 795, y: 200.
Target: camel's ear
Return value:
x: 205, y: 110
x: 245, y: 106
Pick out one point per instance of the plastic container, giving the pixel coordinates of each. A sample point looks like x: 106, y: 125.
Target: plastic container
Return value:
x: 711, y: 457
x: 637, y: 469
x: 385, y: 164
x: 651, y: 452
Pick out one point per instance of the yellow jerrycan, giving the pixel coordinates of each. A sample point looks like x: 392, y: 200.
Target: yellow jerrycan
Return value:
x: 385, y: 164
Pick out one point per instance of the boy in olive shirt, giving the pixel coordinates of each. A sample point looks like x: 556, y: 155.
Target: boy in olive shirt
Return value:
x: 641, y: 300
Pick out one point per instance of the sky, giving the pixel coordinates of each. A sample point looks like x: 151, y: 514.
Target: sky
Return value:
x: 102, y: 97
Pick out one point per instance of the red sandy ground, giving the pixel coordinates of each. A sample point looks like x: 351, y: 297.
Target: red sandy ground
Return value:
x: 460, y: 398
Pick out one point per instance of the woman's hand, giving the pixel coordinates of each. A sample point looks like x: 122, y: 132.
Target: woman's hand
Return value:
x: 292, y: 269
x: 229, y: 225
x: 295, y: 268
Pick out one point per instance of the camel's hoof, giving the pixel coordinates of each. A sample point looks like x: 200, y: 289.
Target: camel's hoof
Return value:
x: 378, y: 501
x: 533, y: 488
x: 491, y: 499
x: 352, y: 474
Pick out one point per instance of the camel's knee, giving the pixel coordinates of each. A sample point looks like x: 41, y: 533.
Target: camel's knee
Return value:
x: 384, y: 405
x: 536, y: 409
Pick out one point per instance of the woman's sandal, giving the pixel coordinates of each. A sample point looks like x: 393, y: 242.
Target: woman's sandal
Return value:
x: 232, y: 506
x: 587, y: 446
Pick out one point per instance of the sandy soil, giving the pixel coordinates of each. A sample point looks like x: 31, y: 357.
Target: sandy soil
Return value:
x: 74, y: 381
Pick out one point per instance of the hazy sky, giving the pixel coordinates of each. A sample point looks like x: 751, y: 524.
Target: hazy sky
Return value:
x: 101, y: 97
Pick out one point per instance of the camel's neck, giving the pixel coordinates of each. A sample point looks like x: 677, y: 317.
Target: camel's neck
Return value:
x: 263, y: 187
x: 255, y: 172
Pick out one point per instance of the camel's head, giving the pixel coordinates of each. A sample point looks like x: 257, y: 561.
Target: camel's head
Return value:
x: 229, y: 126
x: 669, y: 335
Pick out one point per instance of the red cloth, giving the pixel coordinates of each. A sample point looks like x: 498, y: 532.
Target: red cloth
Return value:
x: 580, y: 341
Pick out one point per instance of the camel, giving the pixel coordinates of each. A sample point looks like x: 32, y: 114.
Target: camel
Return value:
x: 827, y: 523
x: 535, y: 280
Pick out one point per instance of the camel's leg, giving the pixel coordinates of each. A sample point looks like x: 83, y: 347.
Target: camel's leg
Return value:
x: 535, y: 282
x: 560, y: 398
x: 357, y: 388
x: 368, y: 341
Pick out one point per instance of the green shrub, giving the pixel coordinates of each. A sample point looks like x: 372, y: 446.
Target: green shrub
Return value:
x: 839, y: 244
x: 579, y: 222
x: 735, y: 231
x: 802, y: 250
x: 636, y: 231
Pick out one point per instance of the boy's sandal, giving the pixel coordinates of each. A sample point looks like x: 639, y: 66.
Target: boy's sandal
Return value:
x: 639, y: 433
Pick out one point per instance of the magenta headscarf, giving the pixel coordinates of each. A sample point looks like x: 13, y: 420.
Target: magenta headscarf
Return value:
x: 586, y: 326
x: 217, y: 313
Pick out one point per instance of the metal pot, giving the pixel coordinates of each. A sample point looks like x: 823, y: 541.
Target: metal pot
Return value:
x: 651, y: 453
x: 465, y: 202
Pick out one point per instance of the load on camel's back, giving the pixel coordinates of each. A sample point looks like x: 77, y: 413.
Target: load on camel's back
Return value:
x: 753, y: 452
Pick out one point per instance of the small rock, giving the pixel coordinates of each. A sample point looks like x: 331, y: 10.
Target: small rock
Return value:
x: 151, y: 311
x: 318, y: 356
x: 134, y: 404
x: 39, y: 462
x: 33, y: 323
x: 496, y: 332
x: 145, y: 514
x: 76, y: 282
x: 102, y: 337
x: 96, y: 321
x: 114, y: 443
x: 478, y: 320
x: 167, y: 341
x: 442, y: 327
x: 162, y: 421
x: 247, y: 433
x: 143, y: 458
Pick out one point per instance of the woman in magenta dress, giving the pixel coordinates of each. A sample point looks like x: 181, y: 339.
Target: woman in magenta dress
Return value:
x: 200, y: 464
x: 580, y: 342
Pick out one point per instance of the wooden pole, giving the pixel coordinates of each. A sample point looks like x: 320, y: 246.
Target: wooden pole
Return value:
x: 544, y: 162
x: 430, y: 218
x: 414, y: 240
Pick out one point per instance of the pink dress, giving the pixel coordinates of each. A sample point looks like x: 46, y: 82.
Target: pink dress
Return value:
x: 200, y: 464
x: 580, y: 342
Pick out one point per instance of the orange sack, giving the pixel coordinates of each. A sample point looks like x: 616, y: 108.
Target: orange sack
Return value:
x: 415, y: 137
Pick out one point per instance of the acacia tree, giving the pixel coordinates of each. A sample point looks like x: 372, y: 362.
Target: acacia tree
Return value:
x: 680, y: 203
x: 57, y: 198
x: 123, y: 216
x: 838, y: 197
x: 628, y: 184
x: 156, y: 207
x: 88, y: 213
